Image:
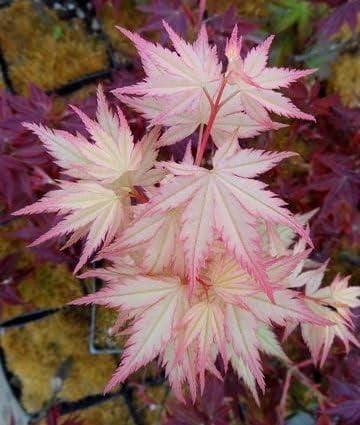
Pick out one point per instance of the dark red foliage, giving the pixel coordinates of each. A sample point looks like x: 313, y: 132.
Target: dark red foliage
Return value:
x: 211, y: 409
x: 331, y: 3
x: 345, y: 390
x: 175, y: 12
x: 11, y: 276
x: 228, y: 401
x: 25, y: 166
x: 51, y: 250
x: 37, y: 107
x: 183, y: 16
x: 344, y: 13
x: 335, y: 124
x: 26, y: 170
x: 220, y: 26
x: 330, y: 181
x: 338, y: 177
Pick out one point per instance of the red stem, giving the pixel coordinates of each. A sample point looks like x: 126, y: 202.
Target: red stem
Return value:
x: 140, y: 197
x: 214, y: 110
x: 188, y: 13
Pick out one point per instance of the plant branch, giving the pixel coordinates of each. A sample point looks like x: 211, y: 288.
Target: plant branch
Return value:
x: 214, y: 110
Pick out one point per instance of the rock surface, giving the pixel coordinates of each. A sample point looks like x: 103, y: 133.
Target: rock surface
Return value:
x: 9, y: 406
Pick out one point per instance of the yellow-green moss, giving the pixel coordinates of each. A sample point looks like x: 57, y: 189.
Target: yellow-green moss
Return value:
x: 252, y: 8
x: 342, y: 265
x: 2, y: 82
x: 127, y: 16
x: 281, y: 141
x: 297, y: 165
x: 51, y: 286
x: 113, y: 412
x: 35, y: 352
x: 82, y: 93
x: 345, y: 32
x: 47, y: 286
x: 9, y: 245
x: 151, y: 411
x: 42, y: 49
x: 248, y: 8
x: 105, y: 320
x: 345, y: 79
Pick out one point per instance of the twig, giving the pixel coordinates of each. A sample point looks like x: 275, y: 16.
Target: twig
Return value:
x: 5, y: 73
x: 80, y: 82
x: 127, y: 393
x: 294, y: 370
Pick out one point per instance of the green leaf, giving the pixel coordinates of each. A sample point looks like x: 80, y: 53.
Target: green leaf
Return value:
x: 288, y: 13
x: 57, y: 32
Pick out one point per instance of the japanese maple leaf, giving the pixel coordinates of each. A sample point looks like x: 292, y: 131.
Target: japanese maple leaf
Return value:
x: 339, y: 177
x: 14, y: 110
x: 345, y: 390
x: 228, y: 314
x: 349, y: 408
x: 21, y: 155
x: 179, y: 76
x: 229, y: 121
x: 344, y: 13
x: 156, y: 236
x: 153, y: 302
x: 280, y: 238
x: 181, y: 88
x: 96, y: 205
x: 226, y: 200
x: 334, y: 303
x: 174, y: 12
x: 331, y: 302
x: 256, y: 83
x: 212, y: 407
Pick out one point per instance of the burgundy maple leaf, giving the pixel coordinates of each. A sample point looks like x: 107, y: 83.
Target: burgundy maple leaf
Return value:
x: 175, y: 12
x: 339, y: 177
x: 345, y: 391
x: 344, y: 13
x: 210, y: 408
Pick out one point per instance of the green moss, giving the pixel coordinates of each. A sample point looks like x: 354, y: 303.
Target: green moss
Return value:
x: 128, y: 17
x: 35, y: 352
x: 42, y: 49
